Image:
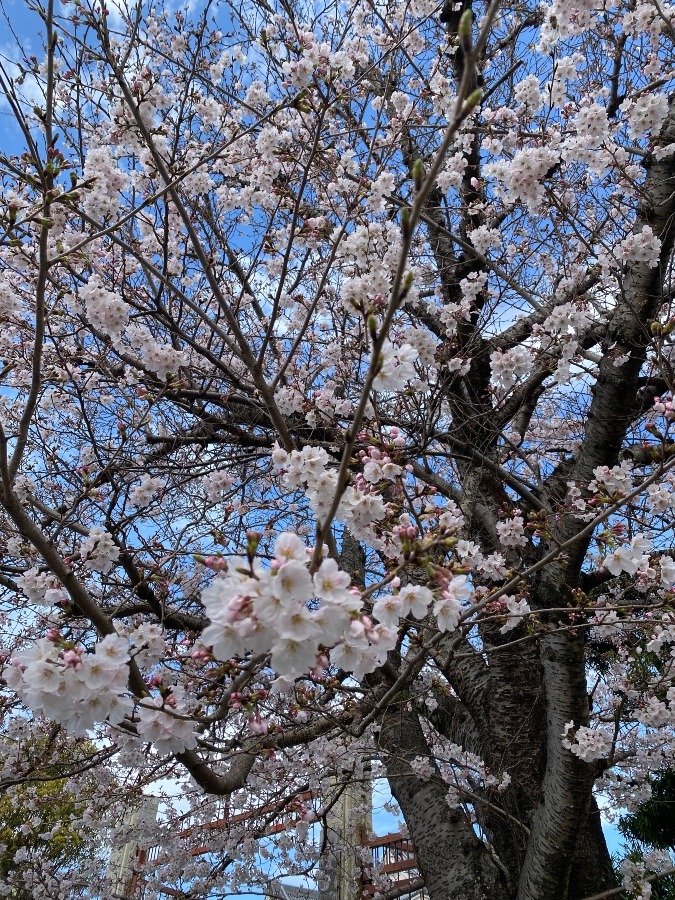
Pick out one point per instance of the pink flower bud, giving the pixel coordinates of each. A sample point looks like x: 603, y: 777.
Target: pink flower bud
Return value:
x: 216, y: 563
x: 72, y: 659
x: 257, y: 725
x: 369, y: 629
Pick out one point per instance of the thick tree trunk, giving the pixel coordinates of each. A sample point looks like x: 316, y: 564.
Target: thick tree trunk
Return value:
x: 592, y: 870
x: 513, y: 742
x: 566, y: 790
x: 559, y: 819
x: 455, y: 864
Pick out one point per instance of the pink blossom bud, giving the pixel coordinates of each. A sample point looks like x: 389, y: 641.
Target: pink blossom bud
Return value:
x: 72, y: 659
x: 258, y: 725
x: 53, y: 635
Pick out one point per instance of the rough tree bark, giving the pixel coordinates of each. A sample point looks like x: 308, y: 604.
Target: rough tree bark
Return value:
x: 544, y: 832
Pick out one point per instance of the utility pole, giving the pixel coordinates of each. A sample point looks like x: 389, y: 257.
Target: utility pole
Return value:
x: 121, y: 875
x: 348, y: 827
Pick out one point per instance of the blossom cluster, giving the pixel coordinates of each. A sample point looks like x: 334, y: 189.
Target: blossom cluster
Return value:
x: 109, y: 313
x: 396, y: 367
x: 99, y: 551
x: 629, y: 558
x: 517, y: 609
x: 163, y: 724
x: 104, y: 309
x: 588, y: 744
x: 143, y: 493
x: 379, y: 466
x: 512, y: 532
x: 217, y: 483
x: 524, y: 175
x: 641, y: 247
x: 492, y: 567
x: 508, y: 366
x: 37, y: 586
x: 10, y: 299
x: 360, y: 507
x: 297, y: 617
x: 614, y: 482
x: 71, y: 687
x: 646, y: 113
x: 275, y: 609
x: 102, y: 198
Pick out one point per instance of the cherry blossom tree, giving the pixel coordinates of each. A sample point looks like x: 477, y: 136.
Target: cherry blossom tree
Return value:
x: 336, y: 422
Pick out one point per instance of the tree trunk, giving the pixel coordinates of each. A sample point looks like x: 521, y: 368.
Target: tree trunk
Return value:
x: 455, y: 864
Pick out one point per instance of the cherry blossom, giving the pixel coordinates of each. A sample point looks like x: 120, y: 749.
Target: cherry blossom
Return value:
x: 337, y: 432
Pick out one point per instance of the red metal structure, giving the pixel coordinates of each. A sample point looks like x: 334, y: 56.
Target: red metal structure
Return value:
x: 393, y: 856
